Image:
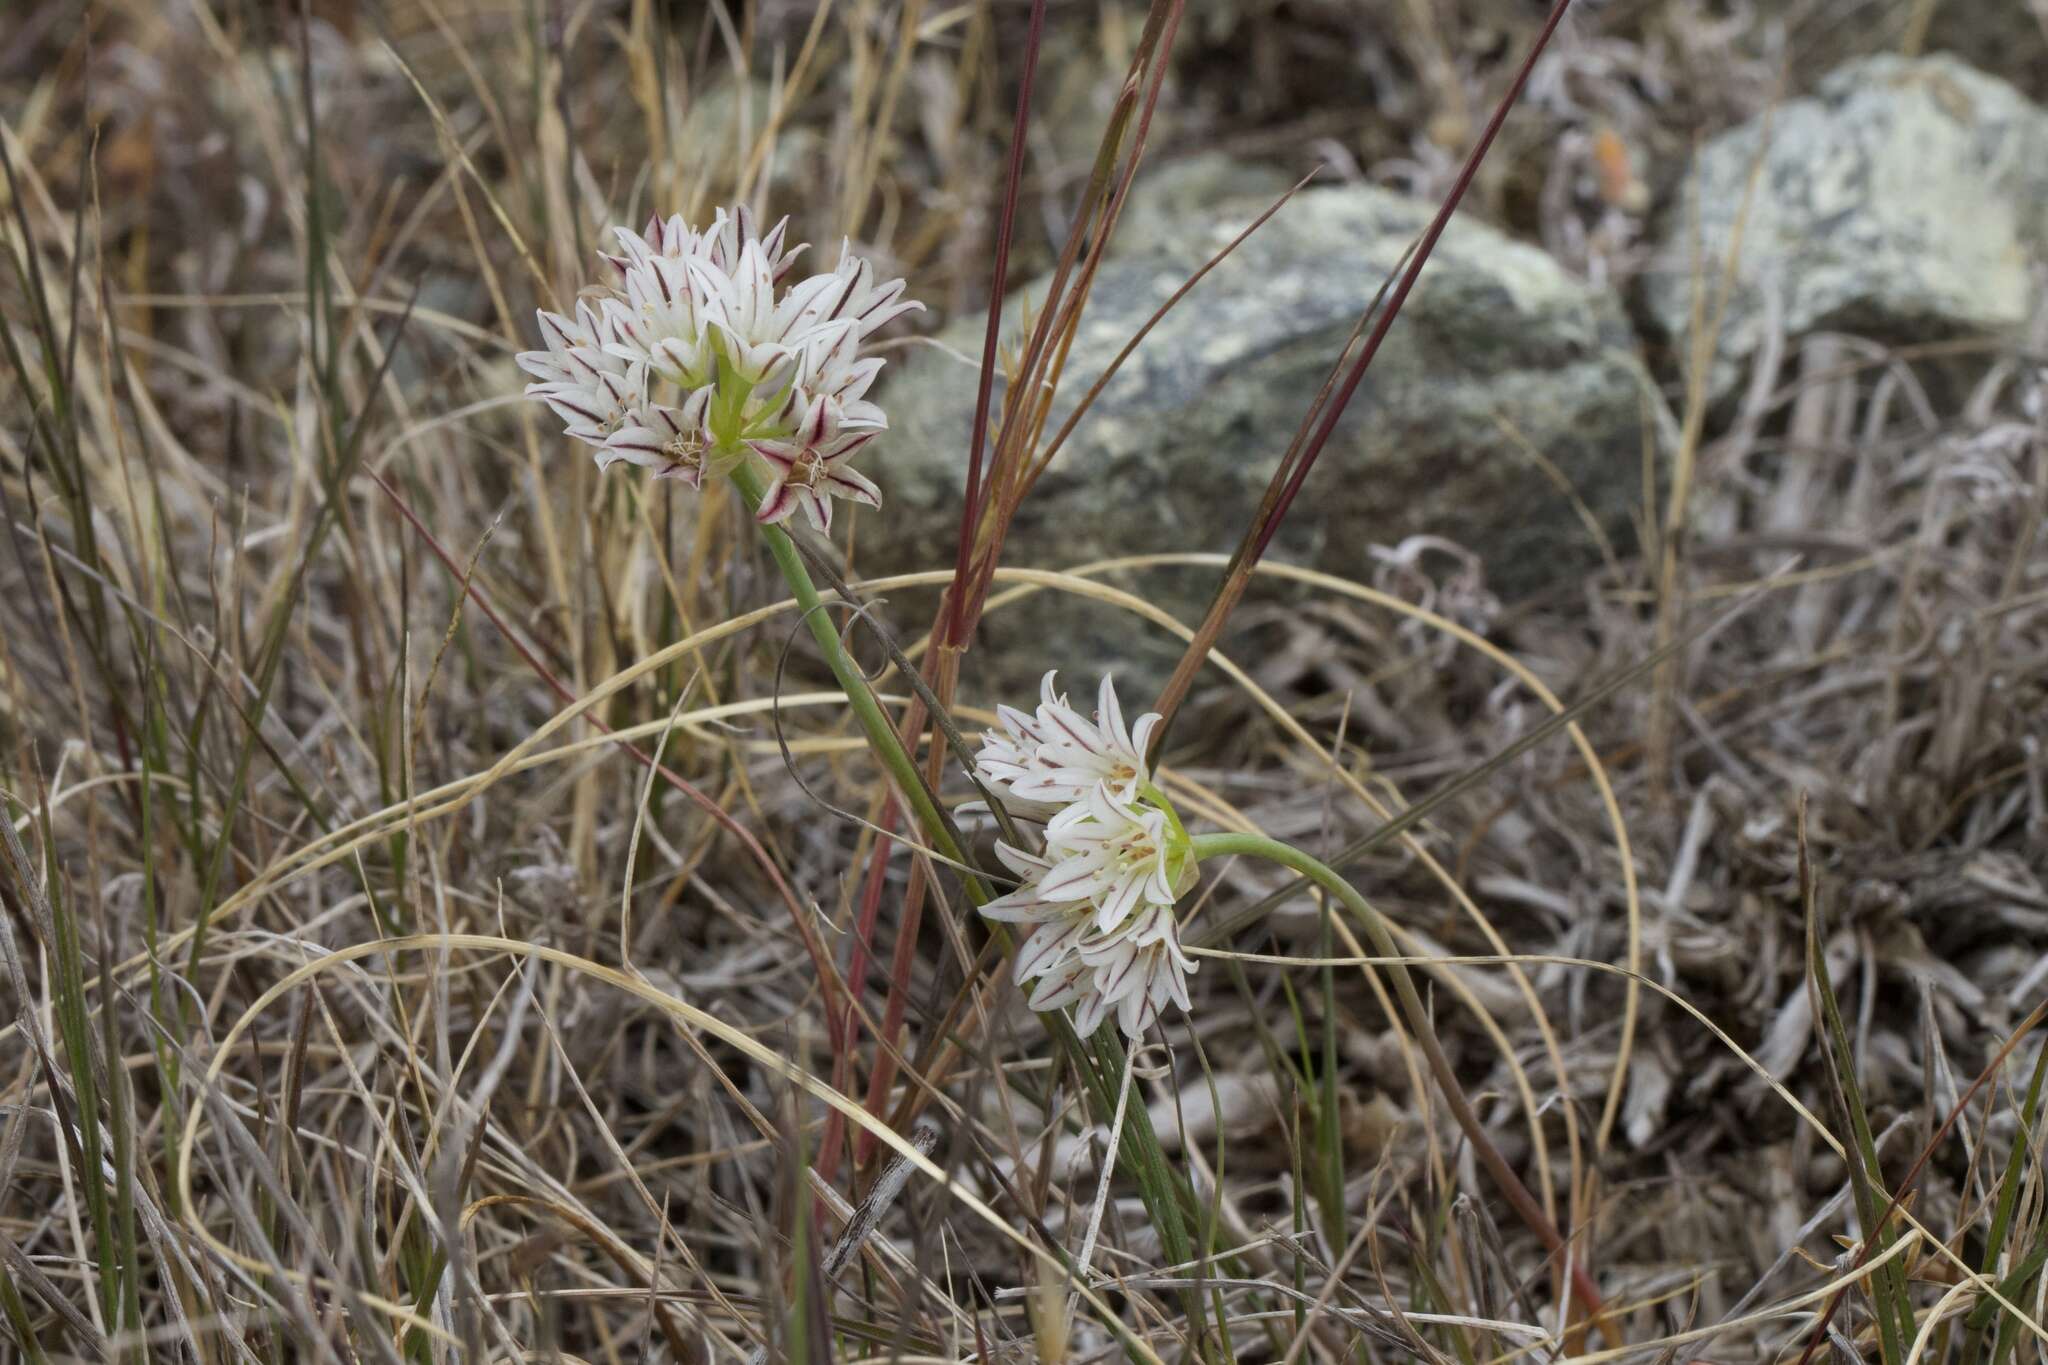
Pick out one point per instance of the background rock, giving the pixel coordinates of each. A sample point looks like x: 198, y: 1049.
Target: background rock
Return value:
x: 1905, y: 199
x: 1188, y: 189
x: 1175, y: 453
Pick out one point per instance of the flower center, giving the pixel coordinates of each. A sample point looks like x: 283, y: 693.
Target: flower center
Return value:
x: 685, y: 451
x: 807, y: 472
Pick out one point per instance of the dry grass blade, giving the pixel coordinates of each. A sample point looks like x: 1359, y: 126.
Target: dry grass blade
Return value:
x: 798, y: 917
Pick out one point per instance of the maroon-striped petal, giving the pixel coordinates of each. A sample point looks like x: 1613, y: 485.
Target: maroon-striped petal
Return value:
x: 777, y: 503
x: 782, y: 454
x: 853, y: 487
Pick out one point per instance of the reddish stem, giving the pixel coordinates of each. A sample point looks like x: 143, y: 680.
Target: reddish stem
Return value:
x: 970, y: 508
x: 897, y: 1005
x: 856, y: 983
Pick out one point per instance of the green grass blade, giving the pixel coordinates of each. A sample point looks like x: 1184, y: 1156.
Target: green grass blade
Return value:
x: 1891, y: 1303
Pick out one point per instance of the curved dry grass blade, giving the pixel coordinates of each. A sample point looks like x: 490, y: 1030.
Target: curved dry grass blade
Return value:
x: 1552, y: 725
x: 728, y: 1034
x: 724, y: 818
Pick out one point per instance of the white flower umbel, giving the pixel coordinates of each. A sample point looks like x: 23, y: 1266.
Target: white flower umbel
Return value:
x: 1116, y: 859
x: 707, y: 351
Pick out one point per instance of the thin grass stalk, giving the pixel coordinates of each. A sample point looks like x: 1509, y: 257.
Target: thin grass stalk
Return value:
x: 806, y: 932
x: 1998, y: 1297
x: 2013, y: 1287
x: 902, y: 958
x: 2034, y: 1019
x: 61, y: 443
x: 865, y: 918
x: 1672, y: 528
x: 1329, y: 1126
x: 1431, y: 1296
x: 56, y: 922
x: 340, y: 466
x: 167, y: 1056
x: 16, y: 1312
x: 1211, y: 1214
x: 126, y: 1321
x: 29, y: 906
x: 1891, y: 1303
x: 63, y: 460
x: 2008, y: 1200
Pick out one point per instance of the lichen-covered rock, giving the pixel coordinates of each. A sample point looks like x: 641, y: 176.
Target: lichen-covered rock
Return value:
x: 1498, y: 353
x: 1905, y: 198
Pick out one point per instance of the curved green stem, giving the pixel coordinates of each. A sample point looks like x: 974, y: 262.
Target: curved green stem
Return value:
x: 881, y: 735
x: 1510, y: 1184
x: 1162, y: 1190
x: 1100, y: 1066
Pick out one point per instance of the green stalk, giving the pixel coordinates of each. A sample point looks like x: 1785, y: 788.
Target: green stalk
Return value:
x: 1510, y: 1185
x: 1890, y: 1297
x: 881, y: 735
x: 2001, y: 1220
x: 1166, y: 1194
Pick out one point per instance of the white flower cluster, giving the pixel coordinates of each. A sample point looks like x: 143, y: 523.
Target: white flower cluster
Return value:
x: 700, y: 354
x: 1116, y: 858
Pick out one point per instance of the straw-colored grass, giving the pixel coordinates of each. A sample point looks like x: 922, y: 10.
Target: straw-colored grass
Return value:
x: 447, y: 913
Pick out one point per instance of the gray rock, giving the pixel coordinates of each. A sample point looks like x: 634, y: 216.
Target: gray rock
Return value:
x: 1176, y: 452
x: 1905, y: 198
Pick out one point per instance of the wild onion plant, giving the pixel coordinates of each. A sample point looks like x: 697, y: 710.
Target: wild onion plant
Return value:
x: 703, y: 358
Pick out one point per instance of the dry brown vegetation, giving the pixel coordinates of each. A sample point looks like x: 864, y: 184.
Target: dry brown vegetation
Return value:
x: 367, y: 999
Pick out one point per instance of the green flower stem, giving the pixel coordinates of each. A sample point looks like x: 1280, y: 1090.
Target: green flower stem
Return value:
x: 881, y: 735
x: 1165, y: 1193
x: 1517, y: 1194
